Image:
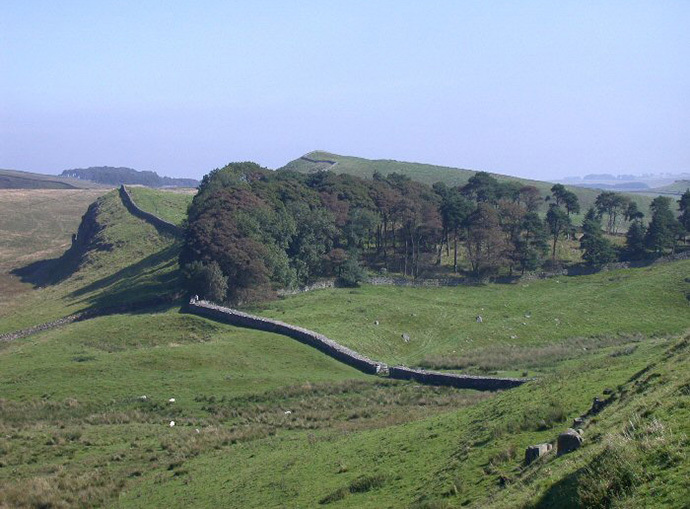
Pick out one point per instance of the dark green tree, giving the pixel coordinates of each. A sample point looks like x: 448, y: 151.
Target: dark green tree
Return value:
x: 663, y: 227
x: 596, y: 249
x: 559, y: 224
x: 635, y: 248
x: 205, y: 280
x: 684, y: 207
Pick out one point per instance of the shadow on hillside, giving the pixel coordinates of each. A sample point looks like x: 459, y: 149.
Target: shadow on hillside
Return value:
x: 562, y: 494
x: 50, y: 272
x: 151, y: 281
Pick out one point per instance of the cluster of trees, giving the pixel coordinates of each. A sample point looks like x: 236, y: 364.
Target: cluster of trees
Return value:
x: 251, y: 229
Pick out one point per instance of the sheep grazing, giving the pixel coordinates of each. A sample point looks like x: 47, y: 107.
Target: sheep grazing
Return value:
x: 171, y: 400
x: 288, y: 412
x: 172, y: 424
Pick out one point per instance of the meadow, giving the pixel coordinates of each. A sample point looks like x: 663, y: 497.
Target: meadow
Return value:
x: 261, y: 420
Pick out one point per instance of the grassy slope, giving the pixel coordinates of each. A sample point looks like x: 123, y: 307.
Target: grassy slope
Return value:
x: 429, y: 174
x: 141, y: 265
x: 14, y: 179
x: 73, y: 430
x: 441, y: 321
x: 461, y: 458
x: 36, y: 224
x: 168, y: 205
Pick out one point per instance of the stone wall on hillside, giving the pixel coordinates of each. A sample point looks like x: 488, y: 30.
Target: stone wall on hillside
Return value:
x: 160, y: 224
x: 311, y: 338
x: 348, y: 356
x: 483, y: 383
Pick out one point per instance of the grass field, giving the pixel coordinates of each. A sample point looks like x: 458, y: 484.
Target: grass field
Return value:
x: 429, y: 174
x: 264, y: 421
x: 170, y: 205
x: 518, y: 319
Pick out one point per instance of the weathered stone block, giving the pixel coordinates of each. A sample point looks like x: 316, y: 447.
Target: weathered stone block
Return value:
x: 568, y: 441
x: 534, y: 452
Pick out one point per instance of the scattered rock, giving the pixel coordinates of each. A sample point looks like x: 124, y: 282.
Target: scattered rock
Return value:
x: 569, y: 441
x: 578, y: 422
x: 171, y: 400
x: 479, y: 319
x: 406, y: 337
x: 513, y: 337
x: 143, y: 398
x: 172, y: 424
x: 376, y: 322
x: 288, y: 412
x: 535, y: 451
x: 197, y: 430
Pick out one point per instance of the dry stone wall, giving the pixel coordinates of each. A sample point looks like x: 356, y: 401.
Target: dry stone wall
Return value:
x: 482, y: 383
x: 160, y: 224
x: 348, y: 356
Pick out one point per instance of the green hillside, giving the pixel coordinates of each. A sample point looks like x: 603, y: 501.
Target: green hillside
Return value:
x: 678, y: 187
x: 118, y: 260
x: 14, y: 179
x: 261, y: 420
x: 427, y: 173
x: 168, y: 205
x: 525, y: 323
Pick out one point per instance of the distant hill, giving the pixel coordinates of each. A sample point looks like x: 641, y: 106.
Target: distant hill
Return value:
x: 428, y: 174
x: 14, y: 179
x: 117, y: 176
x: 678, y: 187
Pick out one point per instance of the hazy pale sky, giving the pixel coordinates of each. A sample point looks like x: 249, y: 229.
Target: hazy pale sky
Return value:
x: 537, y: 89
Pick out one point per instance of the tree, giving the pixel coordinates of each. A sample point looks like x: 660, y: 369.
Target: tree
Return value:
x: 596, y: 250
x: 454, y: 210
x: 635, y: 248
x: 663, y: 227
x: 559, y: 224
x: 632, y: 213
x: 684, y: 207
x: 531, y: 245
x: 482, y: 187
x: 613, y: 205
x: 351, y: 272
x: 486, y: 243
x: 207, y: 281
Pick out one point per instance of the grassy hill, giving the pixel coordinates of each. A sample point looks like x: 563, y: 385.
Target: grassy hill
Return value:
x: 427, y: 173
x: 119, y: 260
x: 263, y: 421
x: 677, y: 188
x: 14, y: 179
x: 523, y: 323
x: 168, y: 205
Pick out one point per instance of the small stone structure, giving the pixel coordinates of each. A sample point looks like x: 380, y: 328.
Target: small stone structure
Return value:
x: 534, y: 452
x: 568, y: 441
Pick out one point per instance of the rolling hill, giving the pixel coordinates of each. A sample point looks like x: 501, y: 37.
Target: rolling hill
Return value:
x: 14, y: 179
x: 428, y: 174
x: 152, y: 407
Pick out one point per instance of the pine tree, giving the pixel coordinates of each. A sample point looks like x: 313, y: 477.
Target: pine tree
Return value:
x: 635, y: 241
x: 597, y: 250
x: 663, y: 228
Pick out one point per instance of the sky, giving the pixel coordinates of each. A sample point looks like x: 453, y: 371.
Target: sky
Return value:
x: 533, y: 89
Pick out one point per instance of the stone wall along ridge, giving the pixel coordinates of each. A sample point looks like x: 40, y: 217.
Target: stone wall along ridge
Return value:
x: 160, y: 224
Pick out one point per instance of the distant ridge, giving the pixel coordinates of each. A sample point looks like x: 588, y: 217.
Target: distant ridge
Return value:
x: 15, y: 179
x: 118, y: 176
